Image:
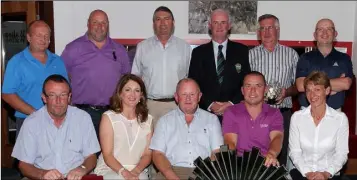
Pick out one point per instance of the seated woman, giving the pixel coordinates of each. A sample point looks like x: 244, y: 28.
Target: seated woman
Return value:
x: 125, y: 133
x: 318, y: 139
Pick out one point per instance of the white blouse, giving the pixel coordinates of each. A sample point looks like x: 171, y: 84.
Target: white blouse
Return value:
x: 318, y: 148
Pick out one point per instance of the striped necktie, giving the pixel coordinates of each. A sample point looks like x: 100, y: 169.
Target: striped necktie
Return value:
x: 220, y: 64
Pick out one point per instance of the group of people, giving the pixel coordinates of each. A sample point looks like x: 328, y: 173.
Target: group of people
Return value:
x: 153, y: 117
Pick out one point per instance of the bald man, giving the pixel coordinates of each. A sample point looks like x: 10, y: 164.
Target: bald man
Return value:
x: 95, y: 63
x: 337, y: 65
x: 27, y: 70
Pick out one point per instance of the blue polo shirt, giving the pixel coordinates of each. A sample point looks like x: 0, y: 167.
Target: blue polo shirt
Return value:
x: 334, y: 64
x: 24, y: 76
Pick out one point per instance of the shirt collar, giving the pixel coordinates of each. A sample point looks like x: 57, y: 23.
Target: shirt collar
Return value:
x: 216, y: 44
x: 277, y: 46
x: 168, y: 41
x: 51, y: 121
x: 107, y: 40
x: 29, y: 56
x: 329, y: 111
x: 182, y: 114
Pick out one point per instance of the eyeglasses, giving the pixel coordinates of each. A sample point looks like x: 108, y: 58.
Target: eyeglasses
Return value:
x: 267, y: 28
x: 55, y: 96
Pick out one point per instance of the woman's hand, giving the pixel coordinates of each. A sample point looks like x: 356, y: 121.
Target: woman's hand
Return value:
x: 129, y: 176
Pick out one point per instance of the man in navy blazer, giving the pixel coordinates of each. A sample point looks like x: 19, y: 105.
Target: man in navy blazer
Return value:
x: 219, y: 66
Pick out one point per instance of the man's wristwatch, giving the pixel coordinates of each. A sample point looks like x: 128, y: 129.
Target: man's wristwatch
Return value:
x: 121, y: 170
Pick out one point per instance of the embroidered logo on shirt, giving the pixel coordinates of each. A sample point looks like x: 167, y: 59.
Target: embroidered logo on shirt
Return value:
x: 263, y: 125
x: 205, y: 130
x: 335, y: 64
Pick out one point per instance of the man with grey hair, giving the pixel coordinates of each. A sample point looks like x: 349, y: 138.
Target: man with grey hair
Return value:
x: 219, y: 66
x: 161, y: 61
x: 278, y: 64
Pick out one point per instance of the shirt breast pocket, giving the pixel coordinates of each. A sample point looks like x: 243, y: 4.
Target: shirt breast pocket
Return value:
x: 202, y: 138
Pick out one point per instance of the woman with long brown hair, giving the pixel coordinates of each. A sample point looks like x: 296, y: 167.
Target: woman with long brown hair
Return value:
x: 125, y: 133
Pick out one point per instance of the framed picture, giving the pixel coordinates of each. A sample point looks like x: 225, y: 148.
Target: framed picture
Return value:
x: 243, y: 16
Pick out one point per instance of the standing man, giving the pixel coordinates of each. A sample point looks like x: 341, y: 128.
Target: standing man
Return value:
x: 254, y: 123
x: 95, y: 63
x: 278, y: 64
x: 219, y: 66
x: 26, y: 71
x: 335, y: 64
x: 58, y: 140
x: 161, y: 61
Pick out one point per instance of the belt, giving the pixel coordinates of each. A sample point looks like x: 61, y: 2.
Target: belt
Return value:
x: 284, y: 109
x: 164, y: 99
x: 92, y: 106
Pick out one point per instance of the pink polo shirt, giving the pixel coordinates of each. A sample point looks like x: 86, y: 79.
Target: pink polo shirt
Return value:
x: 236, y: 119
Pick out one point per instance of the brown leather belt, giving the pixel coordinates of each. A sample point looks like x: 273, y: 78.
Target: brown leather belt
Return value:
x: 164, y: 99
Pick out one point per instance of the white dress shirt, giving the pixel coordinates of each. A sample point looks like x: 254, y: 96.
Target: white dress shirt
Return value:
x: 318, y: 148
x: 182, y: 143
x: 215, y: 50
x: 162, y: 67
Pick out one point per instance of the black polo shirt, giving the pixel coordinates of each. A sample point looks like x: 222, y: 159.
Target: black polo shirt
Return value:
x: 334, y: 64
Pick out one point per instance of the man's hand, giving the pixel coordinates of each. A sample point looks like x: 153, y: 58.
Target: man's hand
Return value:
x: 310, y: 175
x: 215, y: 107
x: 222, y: 108
x: 281, y: 96
x: 52, y: 174
x: 270, y: 159
x: 76, y: 173
x: 129, y: 176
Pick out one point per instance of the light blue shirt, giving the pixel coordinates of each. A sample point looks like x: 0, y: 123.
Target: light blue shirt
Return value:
x: 181, y: 143
x: 24, y: 76
x: 45, y: 146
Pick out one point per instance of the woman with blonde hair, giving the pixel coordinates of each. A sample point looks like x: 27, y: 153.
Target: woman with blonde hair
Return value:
x: 125, y: 133
x: 318, y: 139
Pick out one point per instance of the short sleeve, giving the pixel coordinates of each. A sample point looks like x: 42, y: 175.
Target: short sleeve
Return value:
x: 348, y: 66
x: 25, y: 148
x: 158, y: 140
x: 12, y: 78
x: 228, y: 124
x: 136, y: 68
x: 277, y: 123
x: 216, y: 138
x: 90, y: 140
x: 302, y: 69
x: 67, y: 58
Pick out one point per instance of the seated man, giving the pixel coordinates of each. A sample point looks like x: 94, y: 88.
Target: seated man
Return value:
x: 58, y: 140
x: 184, y: 133
x: 253, y: 122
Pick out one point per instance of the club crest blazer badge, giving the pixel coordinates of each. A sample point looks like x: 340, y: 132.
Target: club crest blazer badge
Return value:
x: 238, y: 67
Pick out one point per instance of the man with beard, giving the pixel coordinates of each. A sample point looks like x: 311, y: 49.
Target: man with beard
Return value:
x: 184, y: 133
x: 219, y: 66
x: 58, y: 140
x: 337, y: 65
x: 26, y: 71
x: 252, y: 123
x: 95, y: 63
x: 161, y: 61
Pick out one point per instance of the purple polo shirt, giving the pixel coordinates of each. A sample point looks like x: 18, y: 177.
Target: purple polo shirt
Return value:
x: 236, y: 119
x: 94, y: 72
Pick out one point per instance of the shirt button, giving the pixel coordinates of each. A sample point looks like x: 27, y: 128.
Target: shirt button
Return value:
x: 189, y: 153
x: 189, y: 141
x: 190, y: 164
